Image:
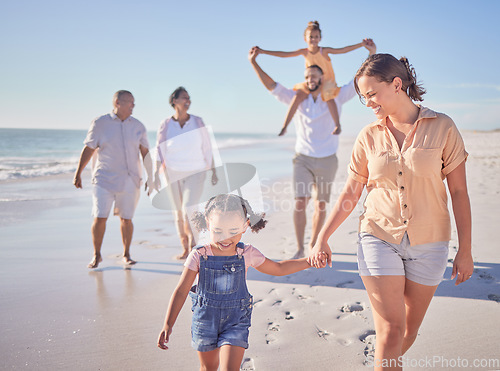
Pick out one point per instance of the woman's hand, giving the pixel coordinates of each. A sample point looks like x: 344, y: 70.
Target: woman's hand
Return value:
x: 214, y: 177
x: 321, y: 255
x: 318, y: 257
x: 463, y: 267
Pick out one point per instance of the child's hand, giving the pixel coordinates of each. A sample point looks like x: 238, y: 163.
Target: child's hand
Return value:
x: 321, y: 253
x: 163, y: 338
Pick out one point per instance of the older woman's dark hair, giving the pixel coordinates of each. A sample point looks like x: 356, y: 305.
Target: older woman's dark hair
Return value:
x: 385, y: 67
x: 176, y: 94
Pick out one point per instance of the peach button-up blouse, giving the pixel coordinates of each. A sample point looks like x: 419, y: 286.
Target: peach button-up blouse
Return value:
x: 405, y: 188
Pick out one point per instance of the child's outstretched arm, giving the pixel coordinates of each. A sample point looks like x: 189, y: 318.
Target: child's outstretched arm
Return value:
x: 345, y: 49
x: 284, y: 267
x: 175, y: 305
x: 281, y: 54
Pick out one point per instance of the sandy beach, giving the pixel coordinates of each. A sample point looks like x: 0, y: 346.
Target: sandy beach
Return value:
x: 56, y: 314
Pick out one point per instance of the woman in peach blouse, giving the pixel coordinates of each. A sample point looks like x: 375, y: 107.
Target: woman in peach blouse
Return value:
x: 402, y: 158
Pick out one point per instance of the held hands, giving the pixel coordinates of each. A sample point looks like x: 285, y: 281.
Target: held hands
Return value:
x: 370, y: 46
x: 463, y: 267
x: 164, y: 337
x: 321, y: 255
x: 253, y: 53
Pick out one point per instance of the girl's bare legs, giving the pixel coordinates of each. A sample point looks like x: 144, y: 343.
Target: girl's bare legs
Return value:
x: 209, y: 361
x: 332, y: 107
x: 231, y: 357
x: 299, y: 97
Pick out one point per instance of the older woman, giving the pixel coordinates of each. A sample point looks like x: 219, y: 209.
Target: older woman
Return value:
x: 402, y: 158
x: 184, y: 155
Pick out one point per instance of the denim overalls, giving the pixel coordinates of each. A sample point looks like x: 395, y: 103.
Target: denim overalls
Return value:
x: 222, y: 305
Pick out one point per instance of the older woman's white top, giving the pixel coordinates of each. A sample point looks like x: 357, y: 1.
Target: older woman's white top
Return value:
x: 184, y: 149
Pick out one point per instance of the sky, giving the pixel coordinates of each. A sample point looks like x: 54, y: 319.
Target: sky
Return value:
x: 61, y: 61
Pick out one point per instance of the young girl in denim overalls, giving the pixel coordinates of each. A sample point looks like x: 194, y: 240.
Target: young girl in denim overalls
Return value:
x: 222, y: 305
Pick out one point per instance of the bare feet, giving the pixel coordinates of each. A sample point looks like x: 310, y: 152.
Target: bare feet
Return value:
x: 95, y: 262
x: 299, y: 254
x: 183, y: 256
x: 128, y: 261
x: 282, y: 132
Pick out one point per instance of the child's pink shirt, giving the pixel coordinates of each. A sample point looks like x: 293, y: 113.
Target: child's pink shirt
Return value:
x: 253, y: 257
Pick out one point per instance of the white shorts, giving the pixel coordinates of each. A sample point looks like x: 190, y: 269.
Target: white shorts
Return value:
x: 424, y: 264
x: 125, y: 201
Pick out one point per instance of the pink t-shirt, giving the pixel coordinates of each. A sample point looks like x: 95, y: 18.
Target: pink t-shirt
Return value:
x: 253, y: 257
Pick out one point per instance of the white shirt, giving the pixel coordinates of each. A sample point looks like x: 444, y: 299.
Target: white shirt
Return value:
x: 313, y: 121
x: 185, y: 149
x: 118, y: 154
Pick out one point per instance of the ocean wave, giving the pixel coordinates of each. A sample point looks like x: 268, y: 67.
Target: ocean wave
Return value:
x: 12, y: 168
x: 232, y: 142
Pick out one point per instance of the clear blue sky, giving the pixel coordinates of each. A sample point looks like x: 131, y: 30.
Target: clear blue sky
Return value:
x: 61, y: 61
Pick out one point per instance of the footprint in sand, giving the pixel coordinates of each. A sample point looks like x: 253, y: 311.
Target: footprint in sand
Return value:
x: 322, y: 333
x: 247, y: 365
x: 494, y: 297
x: 257, y: 302
x: 344, y: 284
x: 302, y: 297
x: 288, y: 316
x: 485, y: 276
x: 344, y: 342
x: 350, y: 308
x: 369, y: 339
x: 270, y: 338
x: 274, y: 327
x: 271, y: 326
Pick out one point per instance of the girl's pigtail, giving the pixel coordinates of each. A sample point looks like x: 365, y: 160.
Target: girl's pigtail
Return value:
x: 257, y: 221
x: 199, y: 221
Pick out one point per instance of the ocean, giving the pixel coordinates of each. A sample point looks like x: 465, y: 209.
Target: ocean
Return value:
x: 31, y: 153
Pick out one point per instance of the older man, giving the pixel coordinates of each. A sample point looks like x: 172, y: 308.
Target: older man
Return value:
x: 315, y: 160
x: 118, y: 140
